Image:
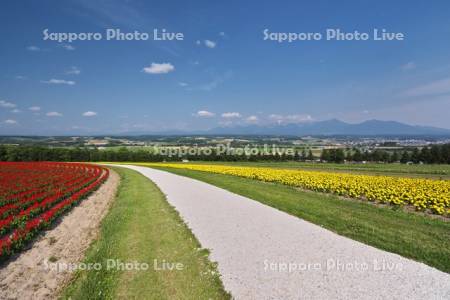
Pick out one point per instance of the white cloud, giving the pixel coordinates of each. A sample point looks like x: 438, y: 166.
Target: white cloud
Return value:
x: 20, y: 77
x: 7, y: 104
x: 231, y: 115
x: 73, y: 71
x: 156, y: 68
x: 89, y: 114
x: 34, y: 108
x: 59, y: 81
x: 183, y: 84
x: 252, y: 119
x: 437, y: 87
x: 33, y: 48
x: 289, y: 119
x: 16, y: 111
x: 198, y: 42
x: 10, y: 122
x: 205, y: 114
x: 210, y: 44
x: 53, y: 114
x: 68, y: 47
x: 222, y: 33
x: 408, y: 66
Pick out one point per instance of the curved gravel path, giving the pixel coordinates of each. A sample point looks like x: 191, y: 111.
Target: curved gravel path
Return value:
x: 263, y: 253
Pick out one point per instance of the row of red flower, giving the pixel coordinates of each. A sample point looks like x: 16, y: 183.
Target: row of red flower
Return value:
x: 16, y: 185
x: 33, y: 195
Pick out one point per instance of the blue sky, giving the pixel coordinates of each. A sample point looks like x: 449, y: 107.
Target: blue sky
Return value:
x: 223, y: 73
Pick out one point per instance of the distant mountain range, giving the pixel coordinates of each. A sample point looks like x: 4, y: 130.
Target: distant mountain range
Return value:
x: 317, y: 128
x: 333, y: 127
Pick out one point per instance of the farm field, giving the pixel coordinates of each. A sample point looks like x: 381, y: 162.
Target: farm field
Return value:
x: 141, y: 226
x: 421, y: 194
x: 33, y: 273
x: 34, y: 195
x: 426, y: 171
x: 419, y: 237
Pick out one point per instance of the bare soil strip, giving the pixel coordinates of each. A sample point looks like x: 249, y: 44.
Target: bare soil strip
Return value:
x: 32, y: 275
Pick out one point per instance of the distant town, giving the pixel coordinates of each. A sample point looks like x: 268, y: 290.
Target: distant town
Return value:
x: 314, y: 142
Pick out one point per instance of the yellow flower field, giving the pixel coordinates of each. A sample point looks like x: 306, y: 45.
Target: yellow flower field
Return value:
x: 423, y: 194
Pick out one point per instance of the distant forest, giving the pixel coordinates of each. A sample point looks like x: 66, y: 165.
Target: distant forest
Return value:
x: 436, y: 154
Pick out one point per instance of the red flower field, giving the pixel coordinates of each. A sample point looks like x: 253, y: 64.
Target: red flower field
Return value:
x: 34, y: 194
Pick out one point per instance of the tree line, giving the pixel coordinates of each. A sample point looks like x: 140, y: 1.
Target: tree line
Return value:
x: 436, y: 154
x: 39, y: 153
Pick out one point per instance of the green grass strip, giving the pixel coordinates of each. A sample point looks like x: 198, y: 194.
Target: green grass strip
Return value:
x: 141, y: 226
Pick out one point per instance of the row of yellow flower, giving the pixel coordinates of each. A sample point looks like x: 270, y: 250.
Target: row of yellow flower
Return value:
x: 423, y: 194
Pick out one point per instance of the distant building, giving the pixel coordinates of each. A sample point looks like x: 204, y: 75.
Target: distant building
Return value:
x: 97, y: 143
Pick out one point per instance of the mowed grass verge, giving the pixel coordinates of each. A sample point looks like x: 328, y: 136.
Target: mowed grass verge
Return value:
x: 141, y: 226
x: 418, y: 237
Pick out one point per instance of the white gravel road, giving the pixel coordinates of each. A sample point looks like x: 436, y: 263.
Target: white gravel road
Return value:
x: 263, y: 253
